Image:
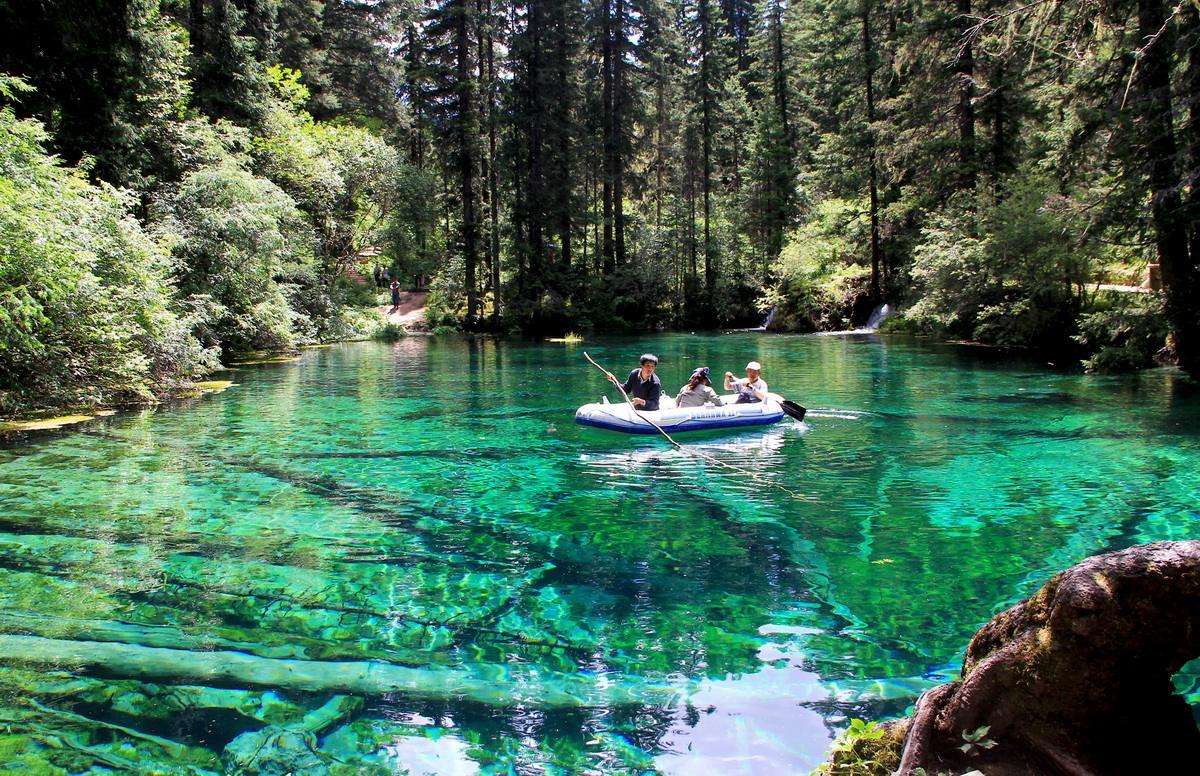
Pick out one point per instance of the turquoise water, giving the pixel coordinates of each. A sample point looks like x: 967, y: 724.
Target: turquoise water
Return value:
x: 195, y: 587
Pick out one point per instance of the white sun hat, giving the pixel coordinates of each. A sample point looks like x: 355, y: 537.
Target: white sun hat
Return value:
x: 757, y: 367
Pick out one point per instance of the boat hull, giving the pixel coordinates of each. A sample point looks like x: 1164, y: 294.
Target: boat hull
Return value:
x: 622, y: 418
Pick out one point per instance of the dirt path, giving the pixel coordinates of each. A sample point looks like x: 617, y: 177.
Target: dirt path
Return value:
x: 410, y: 313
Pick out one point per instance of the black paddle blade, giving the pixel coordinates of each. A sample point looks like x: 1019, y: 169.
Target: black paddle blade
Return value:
x: 792, y: 409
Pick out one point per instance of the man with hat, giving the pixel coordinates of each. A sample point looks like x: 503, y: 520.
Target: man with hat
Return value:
x: 643, y: 386
x: 751, y: 389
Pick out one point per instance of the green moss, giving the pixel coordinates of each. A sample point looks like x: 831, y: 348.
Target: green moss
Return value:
x: 21, y: 755
x: 865, y: 749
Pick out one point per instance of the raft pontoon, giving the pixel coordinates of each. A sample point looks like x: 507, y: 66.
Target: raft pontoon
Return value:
x: 672, y: 419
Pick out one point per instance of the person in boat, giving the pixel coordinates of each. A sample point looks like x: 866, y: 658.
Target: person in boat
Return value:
x: 643, y: 386
x: 752, y: 388
x: 698, y: 391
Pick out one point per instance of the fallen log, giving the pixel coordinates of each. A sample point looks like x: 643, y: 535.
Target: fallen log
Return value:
x: 1075, y: 680
x: 491, y: 685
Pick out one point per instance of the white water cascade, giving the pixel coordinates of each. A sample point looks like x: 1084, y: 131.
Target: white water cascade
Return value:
x: 878, y: 316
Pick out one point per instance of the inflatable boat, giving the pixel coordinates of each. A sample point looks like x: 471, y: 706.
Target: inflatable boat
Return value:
x: 672, y: 419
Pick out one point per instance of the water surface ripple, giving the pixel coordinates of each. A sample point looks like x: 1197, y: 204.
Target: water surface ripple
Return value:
x: 419, y: 562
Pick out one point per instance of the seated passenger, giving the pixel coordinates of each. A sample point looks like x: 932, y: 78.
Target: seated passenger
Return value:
x: 643, y: 386
x: 750, y: 389
x: 698, y: 391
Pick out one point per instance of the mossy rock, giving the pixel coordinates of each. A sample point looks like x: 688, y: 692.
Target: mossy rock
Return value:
x: 43, y: 424
x: 266, y: 360
x: 213, y: 386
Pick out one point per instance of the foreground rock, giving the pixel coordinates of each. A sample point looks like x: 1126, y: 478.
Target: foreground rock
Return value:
x: 1074, y: 680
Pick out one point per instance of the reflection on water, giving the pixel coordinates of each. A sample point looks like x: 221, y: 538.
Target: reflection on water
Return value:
x: 543, y: 597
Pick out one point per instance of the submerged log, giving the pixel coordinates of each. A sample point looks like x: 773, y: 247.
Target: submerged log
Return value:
x: 491, y: 685
x: 1076, y: 679
x: 289, y: 749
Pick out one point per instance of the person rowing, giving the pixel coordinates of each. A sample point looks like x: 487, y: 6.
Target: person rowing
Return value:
x: 698, y: 391
x: 752, y: 388
x: 643, y: 386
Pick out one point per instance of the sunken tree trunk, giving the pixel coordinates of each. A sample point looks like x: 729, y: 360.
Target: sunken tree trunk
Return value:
x: 1076, y: 679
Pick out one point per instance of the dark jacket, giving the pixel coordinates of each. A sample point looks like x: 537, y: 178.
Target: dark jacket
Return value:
x: 647, y: 390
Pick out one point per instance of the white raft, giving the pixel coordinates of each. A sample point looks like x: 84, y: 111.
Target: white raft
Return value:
x: 672, y: 419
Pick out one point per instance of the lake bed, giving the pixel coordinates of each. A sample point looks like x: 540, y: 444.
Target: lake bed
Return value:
x: 549, y: 598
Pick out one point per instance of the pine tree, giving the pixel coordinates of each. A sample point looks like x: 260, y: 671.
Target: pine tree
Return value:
x: 450, y: 58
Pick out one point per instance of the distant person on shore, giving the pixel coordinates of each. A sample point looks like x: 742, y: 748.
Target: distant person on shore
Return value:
x: 752, y: 388
x: 395, y: 286
x: 698, y: 391
x: 643, y: 386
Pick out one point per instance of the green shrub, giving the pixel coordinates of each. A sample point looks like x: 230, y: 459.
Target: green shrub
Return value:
x: 236, y: 237
x: 822, y: 278
x: 389, y: 332
x: 86, y: 310
x: 1000, y: 274
x: 1122, y: 332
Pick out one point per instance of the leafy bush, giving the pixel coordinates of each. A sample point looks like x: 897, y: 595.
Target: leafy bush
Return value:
x: 235, y: 238
x: 86, y: 310
x: 389, y: 332
x: 357, y: 190
x: 1123, y: 332
x: 1000, y: 274
x: 823, y: 280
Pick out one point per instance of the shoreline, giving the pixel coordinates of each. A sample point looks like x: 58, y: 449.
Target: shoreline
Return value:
x: 55, y: 418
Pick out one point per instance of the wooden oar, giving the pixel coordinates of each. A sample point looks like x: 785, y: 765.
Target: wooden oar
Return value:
x: 716, y: 461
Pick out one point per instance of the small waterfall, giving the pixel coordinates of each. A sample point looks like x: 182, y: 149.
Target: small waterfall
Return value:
x: 878, y: 316
x: 766, y: 324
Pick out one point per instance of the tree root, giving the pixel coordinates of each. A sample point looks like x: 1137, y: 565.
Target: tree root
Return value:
x: 1076, y: 680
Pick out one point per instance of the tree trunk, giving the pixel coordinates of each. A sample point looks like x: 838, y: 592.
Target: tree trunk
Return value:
x: 1156, y: 125
x: 618, y: 132
x: 691, y: 200
x: 562, y: 129
x: 779, y: 73
x: 1000, y: 148
x: 1191, y: 21
x: 467, y: 126
x: 485, y: 159
x: 493, y: 175
x: 606, y: 121
x: 781, y: 186
x: 196, y: 28
x: 660, y: 118
x: 1076, y: 679
x: 964, y: 70
x: 536, y: 140
x: 872, y: 168
x: 706, y: 153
